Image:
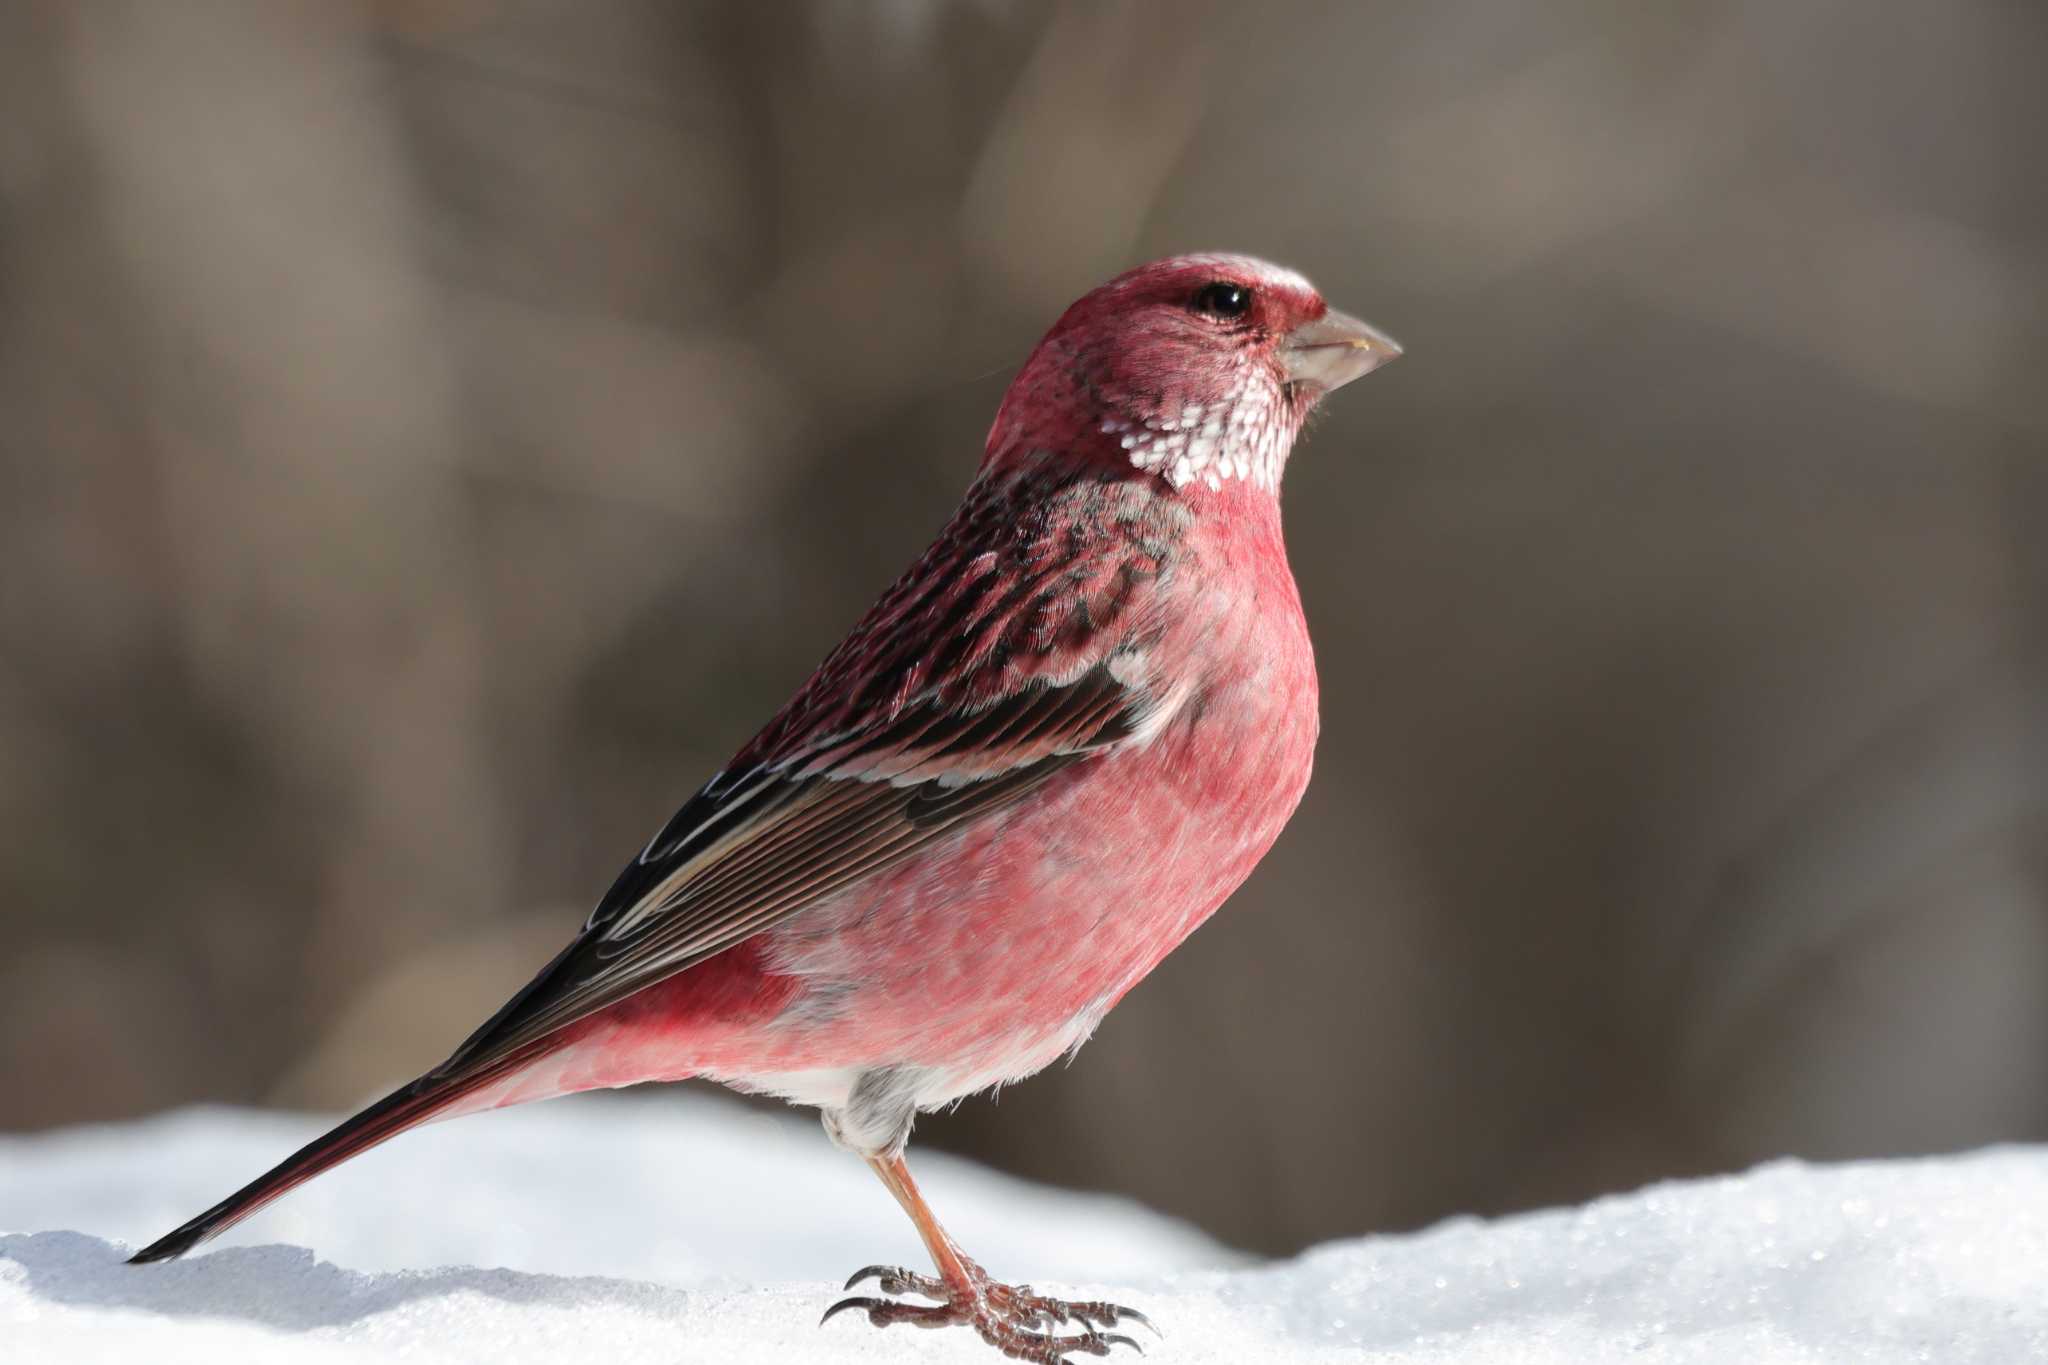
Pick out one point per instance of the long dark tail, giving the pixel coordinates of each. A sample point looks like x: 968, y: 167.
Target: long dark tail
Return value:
x: 407, y: 1107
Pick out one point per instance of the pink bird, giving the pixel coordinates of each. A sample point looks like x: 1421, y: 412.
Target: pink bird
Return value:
x: 1048, y: 753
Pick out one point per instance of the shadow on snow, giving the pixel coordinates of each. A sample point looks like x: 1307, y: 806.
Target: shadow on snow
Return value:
x: 287, y: 1288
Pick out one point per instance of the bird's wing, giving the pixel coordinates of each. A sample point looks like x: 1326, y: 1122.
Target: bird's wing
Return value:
x: 866, y: 765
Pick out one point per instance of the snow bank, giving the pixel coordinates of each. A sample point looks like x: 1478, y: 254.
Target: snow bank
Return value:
x: 694, y: 1230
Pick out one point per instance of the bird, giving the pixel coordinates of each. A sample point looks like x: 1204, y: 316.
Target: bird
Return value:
x: 1049, y: 751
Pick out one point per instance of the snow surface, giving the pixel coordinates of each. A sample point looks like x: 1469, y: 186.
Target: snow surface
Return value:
x: 696, y: 1230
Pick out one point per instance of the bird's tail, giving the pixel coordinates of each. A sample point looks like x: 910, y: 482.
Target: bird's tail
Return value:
x: 428, y: 1098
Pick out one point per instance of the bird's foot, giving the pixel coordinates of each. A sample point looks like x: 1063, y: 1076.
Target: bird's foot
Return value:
x: 1011, y: 1318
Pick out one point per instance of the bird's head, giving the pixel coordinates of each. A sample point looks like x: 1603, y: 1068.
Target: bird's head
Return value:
x: 1198, y: 369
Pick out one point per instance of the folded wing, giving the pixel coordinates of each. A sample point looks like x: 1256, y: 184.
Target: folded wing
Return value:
x: 750, y: 850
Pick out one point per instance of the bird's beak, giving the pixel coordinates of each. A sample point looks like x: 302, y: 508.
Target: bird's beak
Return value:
x: 1334, y: 350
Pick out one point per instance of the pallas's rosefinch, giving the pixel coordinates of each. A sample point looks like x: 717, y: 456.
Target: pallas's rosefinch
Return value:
x: 1050, y: 751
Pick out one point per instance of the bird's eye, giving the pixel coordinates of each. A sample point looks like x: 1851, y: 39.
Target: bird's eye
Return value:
x: 1222, y: 300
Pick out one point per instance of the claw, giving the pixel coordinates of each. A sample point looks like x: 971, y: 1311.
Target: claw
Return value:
x: 1119, y: 1339
x: 1098, y: 1315
x: 873, y: 1272
x: 1133, y: 1315
x: 864, y: 1304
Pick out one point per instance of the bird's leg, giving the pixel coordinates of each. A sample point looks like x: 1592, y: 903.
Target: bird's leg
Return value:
x: 1010, y: 1318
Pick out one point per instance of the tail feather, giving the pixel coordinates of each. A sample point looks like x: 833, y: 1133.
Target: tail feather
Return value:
x: 407, y: 1107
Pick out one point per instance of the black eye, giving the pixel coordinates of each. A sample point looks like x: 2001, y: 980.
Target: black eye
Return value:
x: 1222, y: 300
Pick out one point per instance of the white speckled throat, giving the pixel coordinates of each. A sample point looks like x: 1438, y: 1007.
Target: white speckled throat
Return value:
x: 1244, y: 436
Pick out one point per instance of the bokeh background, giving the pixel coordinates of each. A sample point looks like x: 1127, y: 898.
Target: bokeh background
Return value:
x: 432, y: 436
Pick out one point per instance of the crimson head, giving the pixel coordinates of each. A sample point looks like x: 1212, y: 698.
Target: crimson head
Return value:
x: 1199, y: 369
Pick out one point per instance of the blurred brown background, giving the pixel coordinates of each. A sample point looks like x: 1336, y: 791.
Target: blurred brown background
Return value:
x: 432, y: 435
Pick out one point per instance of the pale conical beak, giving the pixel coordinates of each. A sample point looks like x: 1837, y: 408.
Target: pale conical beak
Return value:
x: 1334, y: 350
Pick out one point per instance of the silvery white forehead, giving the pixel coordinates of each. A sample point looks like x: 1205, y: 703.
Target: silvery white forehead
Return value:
x: 1250, y: 268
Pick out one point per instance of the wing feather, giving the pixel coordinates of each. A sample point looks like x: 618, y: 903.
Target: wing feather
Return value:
x: 953, y: 700
x: 793, y: 839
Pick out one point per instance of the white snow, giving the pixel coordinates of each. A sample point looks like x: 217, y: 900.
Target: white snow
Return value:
x: 691, y: 1229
